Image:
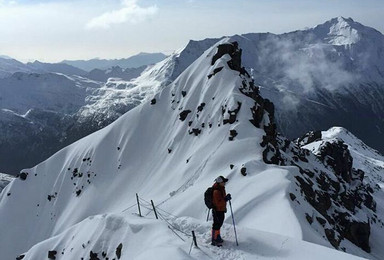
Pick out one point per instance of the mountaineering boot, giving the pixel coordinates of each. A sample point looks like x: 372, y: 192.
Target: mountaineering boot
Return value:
x: 215, y: 241
x: 218, y: 238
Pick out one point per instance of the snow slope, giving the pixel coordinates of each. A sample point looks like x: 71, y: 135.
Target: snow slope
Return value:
x: 80, y: 201
x: 364, y: 157
x: 328, y: 75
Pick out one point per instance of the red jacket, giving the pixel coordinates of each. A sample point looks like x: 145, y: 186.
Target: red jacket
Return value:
x: 219, y: 202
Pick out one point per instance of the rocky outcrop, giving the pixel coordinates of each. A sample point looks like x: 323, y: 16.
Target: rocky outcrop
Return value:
x: 309, y: 137
x: 232, y: 49
x: 343, y: 202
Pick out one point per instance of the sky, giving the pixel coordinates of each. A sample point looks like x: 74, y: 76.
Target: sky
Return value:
x: 54, y: 30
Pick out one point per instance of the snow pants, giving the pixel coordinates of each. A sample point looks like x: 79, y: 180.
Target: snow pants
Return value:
x: 218, y: 219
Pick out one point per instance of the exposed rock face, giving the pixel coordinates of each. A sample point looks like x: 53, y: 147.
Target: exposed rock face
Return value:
x: 233, y: 51
x: 342, y: 201
x: 309, y: 137
x: 339, y: 158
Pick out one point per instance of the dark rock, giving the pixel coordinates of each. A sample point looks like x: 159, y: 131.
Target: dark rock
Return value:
x: 309, y: 137
x: 104, y: 254
x: 183, y: 93
x: 243, y: 171
x: 330, y: 234
x: 183, y: 115
x: 195, y: 131
x: 321, y: 221
x: 215, y: 71
x: 169, y: 150
x: 20, y: 257
x: 153, y: 101
x: 306, y: 188
x: 78, y: 193
x: 52, y: 254
x: 231, y: 166
x: 118, y: 250
x: 8, y: 194
x: 339, y: 158
x: 201, y: 107
x: 309, y: 218
x: 292, y: 196
x: 93, y: 256
x: 358, y: 233
x: 232, y: 134
x: 190, y: 123
x: 322, y: 202
x: 232, y: 115
x: 233, y: 51
x: 84, y: 159
x: 23, y: 176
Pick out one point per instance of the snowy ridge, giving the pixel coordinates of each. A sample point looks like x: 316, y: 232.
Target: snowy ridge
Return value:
x: 168, y: 149
x: 364, y: 157
x: 328, y: 75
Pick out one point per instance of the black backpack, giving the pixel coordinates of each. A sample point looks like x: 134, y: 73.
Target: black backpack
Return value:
x: 208, y: 198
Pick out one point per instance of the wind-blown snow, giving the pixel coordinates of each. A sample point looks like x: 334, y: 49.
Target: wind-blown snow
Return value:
x: 82, y: 198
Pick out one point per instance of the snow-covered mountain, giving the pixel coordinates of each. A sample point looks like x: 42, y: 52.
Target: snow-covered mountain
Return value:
x: 320, y: 77
x: 35, y: 112
x: 56, y: 68
x: 328, y: 75
x: 364, y: 157
x: 211, y: 120
x: 135, y: 61
x: 8, y: 66
x: 115, y: 72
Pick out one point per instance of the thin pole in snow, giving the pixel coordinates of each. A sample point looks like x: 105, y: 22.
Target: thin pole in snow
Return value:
x: 233, y: 220
x: 208, y: 214
x: 138, y: 204
x: 194, y: 238
x: 154, y: 209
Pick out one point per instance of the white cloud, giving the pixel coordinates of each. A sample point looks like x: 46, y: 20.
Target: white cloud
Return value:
x: 130, y: 12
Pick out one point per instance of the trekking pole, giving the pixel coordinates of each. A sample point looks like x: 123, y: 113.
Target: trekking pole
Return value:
x: 233, y: 220
x: 208, y: 214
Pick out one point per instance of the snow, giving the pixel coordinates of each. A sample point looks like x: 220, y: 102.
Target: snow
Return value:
x: 364, y: 157
x: 153, y: 239
x: 82, y: 198
x: 131, y: 156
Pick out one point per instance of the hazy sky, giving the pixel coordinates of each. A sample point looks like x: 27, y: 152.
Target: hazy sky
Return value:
x: 53, y: 30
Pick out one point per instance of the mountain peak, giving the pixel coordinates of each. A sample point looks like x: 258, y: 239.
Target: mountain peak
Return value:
x: 340, y: 31
x: 345, y: 31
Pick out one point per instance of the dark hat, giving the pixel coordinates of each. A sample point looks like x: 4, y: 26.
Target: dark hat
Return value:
x: 221, y: 179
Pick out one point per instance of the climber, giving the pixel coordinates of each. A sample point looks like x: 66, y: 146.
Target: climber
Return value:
x: 219, y: 201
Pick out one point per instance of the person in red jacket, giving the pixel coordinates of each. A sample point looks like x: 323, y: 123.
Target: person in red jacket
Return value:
x: 219, y: 200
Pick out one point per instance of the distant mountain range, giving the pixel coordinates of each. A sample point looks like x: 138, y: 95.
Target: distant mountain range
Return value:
x: 90, y: 68
x: 139, y: 60
x: 317, y: 78
x: 320, y: 197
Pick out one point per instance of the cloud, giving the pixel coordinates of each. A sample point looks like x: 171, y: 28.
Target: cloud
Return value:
x: 302, y: 68
x: 130, y: 12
